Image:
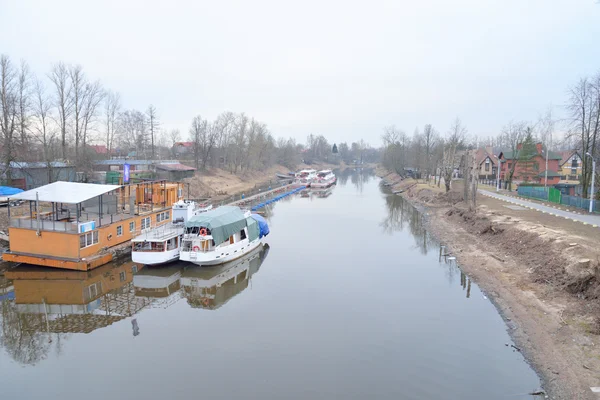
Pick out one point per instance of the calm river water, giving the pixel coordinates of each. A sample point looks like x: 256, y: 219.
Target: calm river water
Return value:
x: 348, y: 301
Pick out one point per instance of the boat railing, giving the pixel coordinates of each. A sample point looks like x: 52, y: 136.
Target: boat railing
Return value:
x: 161, y: 231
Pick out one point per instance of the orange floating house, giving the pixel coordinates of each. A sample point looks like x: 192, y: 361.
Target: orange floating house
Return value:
x: 78, y: 226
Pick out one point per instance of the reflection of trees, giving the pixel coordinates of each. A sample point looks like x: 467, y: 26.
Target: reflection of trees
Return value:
x: 402, y: 214
x: 22, y: 334
x: 358, y: 177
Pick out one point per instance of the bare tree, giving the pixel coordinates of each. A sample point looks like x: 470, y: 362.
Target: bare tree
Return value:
x: 94, y: 94
x: 584, y: 106
x: 24, y: 100
x: 112, y: 109
x: 44, y: 132
x: 430, y: 139
x: 59, y: 75
x: 454, y: 140
x: 513, y: 135
x: 153, y: 125
x: 78, y: 93
x: 133, y: 131
x: 198, y: 137
x: 9, y: 109
x: 174, y: 136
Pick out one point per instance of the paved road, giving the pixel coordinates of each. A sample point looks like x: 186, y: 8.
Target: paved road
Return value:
x: 590, y: 219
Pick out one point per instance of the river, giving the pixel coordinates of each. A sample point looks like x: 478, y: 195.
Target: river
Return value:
x: 349, y: 300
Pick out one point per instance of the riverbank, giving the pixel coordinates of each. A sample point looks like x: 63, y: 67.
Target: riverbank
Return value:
x: 216, y: 183
x: 540, y: 271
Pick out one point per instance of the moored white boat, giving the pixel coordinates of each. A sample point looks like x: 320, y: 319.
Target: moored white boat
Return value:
x: 162, y: 244
x: 305, y: 177
x: 221, y: 235
x: 324, y: 179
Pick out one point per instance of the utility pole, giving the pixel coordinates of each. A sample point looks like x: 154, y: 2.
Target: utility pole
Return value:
x: 593, y: 179
x: 498, y: 174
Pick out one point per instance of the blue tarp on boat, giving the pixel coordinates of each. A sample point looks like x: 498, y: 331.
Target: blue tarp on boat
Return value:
x: 262, y: 225
x: 6, y: 191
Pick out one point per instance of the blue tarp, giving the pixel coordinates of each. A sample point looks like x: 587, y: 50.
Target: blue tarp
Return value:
x: 262, y: 225
x: 6, y: 191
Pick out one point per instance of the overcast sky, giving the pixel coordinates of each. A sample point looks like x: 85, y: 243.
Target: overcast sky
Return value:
x: 343, y: 69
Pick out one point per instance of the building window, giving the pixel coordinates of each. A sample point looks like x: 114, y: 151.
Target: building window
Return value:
x: 158, y: 217
x: 487, y: 164
x: 122, y: 276
x: 145, y: 223
x: 509, y: 165
x: 88, y: 239
x: 134, y: 269
x: 132, y: 226
x: 167, y: 215
x: 120, y: 230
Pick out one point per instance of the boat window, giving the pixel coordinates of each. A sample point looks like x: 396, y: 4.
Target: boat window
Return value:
x: 242, y: 234
x: 88, y: 239
x: 172, y: 244
x: 149, y: 246
x: 231, y: 239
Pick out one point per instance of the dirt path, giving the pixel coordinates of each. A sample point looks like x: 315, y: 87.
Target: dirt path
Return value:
x: 530, y: 265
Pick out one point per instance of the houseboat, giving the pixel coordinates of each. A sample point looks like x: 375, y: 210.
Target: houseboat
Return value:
x: 211, y: 288
x: 324, y: 179
x: 221, y: 235
x: 305, y: 177
x: 160, y: 245
x: 81, y: 226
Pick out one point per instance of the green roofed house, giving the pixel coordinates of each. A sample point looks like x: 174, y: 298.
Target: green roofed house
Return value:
x: 529, y: 163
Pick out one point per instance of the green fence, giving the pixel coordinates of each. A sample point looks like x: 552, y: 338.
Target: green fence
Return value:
x: 554, y: 195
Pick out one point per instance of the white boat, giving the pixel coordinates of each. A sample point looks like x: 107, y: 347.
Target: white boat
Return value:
x: 221, y: 235
x: 162, y: 244
x: 324, y: 179
x: 305, y: 177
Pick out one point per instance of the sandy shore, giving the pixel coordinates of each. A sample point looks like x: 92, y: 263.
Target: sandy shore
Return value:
x: 533, y: 268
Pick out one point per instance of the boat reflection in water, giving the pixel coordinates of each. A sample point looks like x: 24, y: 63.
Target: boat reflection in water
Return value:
x: 160, y: 285
x: 322, y: 193
x: 75, y: 301
x: 212, y: 287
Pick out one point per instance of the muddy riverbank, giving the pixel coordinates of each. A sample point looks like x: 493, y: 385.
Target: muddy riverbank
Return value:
x: 540, y: 271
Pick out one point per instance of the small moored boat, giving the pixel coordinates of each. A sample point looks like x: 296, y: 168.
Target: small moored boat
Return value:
x: 221, y: 235
x: 162, y: 244
x: 324, y: 179
x: 305, y: 177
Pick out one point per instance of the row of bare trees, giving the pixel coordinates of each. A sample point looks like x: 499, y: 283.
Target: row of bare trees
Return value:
x: 57, y: 117
x: 60, y: 115
x: 426, y: 152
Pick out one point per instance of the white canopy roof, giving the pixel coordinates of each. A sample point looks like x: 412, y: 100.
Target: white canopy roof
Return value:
x: 65, y: 192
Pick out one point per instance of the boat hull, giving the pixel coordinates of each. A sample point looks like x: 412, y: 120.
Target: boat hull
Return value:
x: 155, y: 258
x: 220, y: 256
